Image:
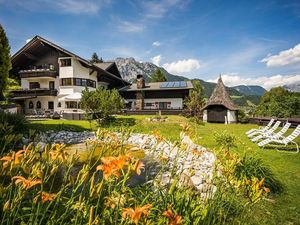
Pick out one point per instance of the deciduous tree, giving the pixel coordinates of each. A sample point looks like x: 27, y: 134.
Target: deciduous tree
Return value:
x: 280, y: 103
x: 102, y: 103
x: 196, y: 99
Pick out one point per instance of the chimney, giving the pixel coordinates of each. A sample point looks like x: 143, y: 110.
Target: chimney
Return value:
x: 140, y: 81
x: 140, y: 84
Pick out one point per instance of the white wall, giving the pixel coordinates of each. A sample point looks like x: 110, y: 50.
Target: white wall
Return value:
x: 66, y: 71
x: 176, y: 103
x: 204, y: 115
x: 78, y: 71
x: 44, y: 103
x: 44, y: 82
x: 231, y: 116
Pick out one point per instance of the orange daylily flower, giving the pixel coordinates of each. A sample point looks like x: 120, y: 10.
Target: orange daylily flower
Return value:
x: 136, y: 213
x: 27, y: 183
x: 15, y: 158
x: 45, y: 197
x: 138, y: 166
x: 108, y: 170
x: 112, y: 165
x: 121, y: 161
x: 173, y: 219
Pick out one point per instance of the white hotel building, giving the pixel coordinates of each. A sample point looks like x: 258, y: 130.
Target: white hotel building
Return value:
x: 53, y: 78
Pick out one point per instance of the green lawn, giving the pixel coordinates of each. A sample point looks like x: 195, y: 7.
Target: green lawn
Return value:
x: 282, y: 208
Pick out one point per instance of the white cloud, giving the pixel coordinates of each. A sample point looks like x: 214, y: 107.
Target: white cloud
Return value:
x: 65, y: 6
x: 78, y: 6
x: 156, y: 44
x: 159, y: 8
x: 266, y: 82
x: 284, y: 58
x: 28, y: 40
x: 156, y: 59
x: 129, y: 27
x: 182, y: 66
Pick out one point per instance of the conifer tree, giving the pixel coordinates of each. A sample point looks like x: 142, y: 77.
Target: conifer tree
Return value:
x: 5, y: 61
x: 95, y: 58
x: 158, y: 76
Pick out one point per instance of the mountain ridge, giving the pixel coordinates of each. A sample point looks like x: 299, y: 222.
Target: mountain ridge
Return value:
x: 292, y: 87
x: 250, y: 89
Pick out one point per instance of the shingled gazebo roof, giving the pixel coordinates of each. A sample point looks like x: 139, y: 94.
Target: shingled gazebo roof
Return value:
x: 220, y: 97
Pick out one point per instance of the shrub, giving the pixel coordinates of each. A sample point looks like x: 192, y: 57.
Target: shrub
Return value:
x: 12, y: 129
x: 18, y: 121
x: 8, y: 138
x: 196, y: 120
x: 243, y: 117
x: 250, y: 166
x: 225, y: 139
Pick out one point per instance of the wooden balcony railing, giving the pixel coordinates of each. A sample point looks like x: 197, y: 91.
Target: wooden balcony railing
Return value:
x: 33, y: 92
x: 38, y: 73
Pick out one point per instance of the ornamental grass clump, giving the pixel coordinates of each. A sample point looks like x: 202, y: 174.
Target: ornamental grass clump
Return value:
x: 225, y: 140
x: 251, y: 166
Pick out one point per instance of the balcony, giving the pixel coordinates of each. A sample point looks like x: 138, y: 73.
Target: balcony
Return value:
x: 32, y: 93
x: 46, y: 70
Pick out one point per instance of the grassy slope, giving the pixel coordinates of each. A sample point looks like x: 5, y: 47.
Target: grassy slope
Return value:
x: 281, y: 209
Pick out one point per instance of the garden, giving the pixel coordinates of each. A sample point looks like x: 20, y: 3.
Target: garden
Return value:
x: 120, y: 180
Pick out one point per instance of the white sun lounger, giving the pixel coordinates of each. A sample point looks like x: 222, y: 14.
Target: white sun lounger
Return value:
x: 284, y: 140
x: 271, y: 130
x: 268, y: 134
x: 261, y: 128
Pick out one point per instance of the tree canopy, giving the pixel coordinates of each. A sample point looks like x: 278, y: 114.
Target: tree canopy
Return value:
x: 95, y: 58
x: 196, y: 99
x: 158, y: 76
x: 5, y: 62
x: 102, y: 103
x: 280, y: 103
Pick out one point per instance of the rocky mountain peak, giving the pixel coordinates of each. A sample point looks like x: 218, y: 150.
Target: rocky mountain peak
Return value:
x: 130, y: 68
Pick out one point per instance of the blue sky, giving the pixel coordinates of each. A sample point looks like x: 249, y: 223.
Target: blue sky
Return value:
x: 248, y: 42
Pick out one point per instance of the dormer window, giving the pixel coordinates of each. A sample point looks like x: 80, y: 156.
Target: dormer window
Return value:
x: 65, y: 62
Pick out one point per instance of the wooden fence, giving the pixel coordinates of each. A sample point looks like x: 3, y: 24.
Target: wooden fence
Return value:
x: 265, y: 120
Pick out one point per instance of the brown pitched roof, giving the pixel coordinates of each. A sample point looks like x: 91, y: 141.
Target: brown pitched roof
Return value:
x: 104, y: 65
x: 221, y: 97
x: 37, y: 40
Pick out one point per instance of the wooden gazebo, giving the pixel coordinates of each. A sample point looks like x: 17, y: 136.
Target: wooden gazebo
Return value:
x: 220, y: 108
